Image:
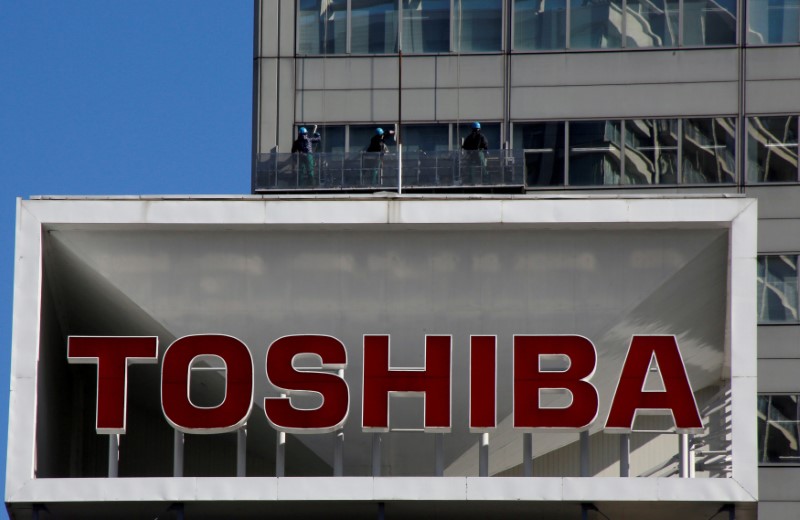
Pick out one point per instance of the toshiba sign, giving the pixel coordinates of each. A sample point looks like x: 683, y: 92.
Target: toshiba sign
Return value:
x: 113, y: 355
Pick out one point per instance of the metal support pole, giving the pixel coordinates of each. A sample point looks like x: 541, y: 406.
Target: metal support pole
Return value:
x: 683, y: 450
x: 280, y: 455
x: 179, y: 512
x: 527, y: 454
x: 690, y: 438
x: 376, y: 454
x: 438, y: 449
x: 584, y: 512
x: 584, y: 441
x: 483, y: 457
x: 625, y: 455
x: 241, y: 452
x: 381, y: 511
x: 732, y: 512
x: 177, y: 454
x: 338, y: 454
x: 113, y: 455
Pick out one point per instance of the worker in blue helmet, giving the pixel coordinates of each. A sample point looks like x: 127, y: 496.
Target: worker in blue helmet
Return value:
x: 475, y: 148
x: 304, y: 147
x: 373, y: 159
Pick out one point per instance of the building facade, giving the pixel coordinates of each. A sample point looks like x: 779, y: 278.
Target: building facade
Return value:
x: 589, y: 97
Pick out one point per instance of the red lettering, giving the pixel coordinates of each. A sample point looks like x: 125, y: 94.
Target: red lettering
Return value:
x: 630, y: 396
x: 530, y: 379
x: 112, y: 355
x: 335, y: 394
x: 434, y: 381
x: 228, y: 416
x: 482, y: 383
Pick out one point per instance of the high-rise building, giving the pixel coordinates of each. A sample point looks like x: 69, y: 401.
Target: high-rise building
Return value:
x: 592, y: 316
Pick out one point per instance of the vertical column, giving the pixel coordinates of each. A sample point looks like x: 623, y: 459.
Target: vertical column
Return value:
x: 338, y: 454
x: 113, y: 455
x: 483, y: 460
x: 584, y: 440
x: 241, y: 452
x: 177, y: 454
x: 280, y: 455
x: 376, y: 454
x: 527, y: 454
x: 683, y: 450
x: 438, y: 448
x: 690, y: 439
x: 625, y: 455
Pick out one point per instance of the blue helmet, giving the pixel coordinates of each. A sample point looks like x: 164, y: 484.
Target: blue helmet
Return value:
x: 302, y: 131
x: 476, y: 125
x: 379, y: 131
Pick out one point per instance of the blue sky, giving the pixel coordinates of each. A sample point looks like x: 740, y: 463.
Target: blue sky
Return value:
x: 103, y: 97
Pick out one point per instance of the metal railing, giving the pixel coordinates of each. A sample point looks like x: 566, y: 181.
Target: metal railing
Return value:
x: 375, y: 171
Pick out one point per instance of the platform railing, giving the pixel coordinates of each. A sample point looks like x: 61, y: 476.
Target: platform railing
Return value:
x: 375, y: 171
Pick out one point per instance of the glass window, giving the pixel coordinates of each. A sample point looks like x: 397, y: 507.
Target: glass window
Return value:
x: 331, y: 138
x: 709, y: 150
x: 322, y: 26
x: 425, y: 138
x: 373, y: 26
x: 360, y: 136
x: 542, y: 145
x: 777, y: 288
x: 478, y: 25
x: 490, y: 130
x: 651, y: 23
x: 773, y: 21
x: 595, y: 24
x: 772, y: 149
x: 594, y: 152
x: 540, y: 24
x: 709, y: 22
x: 651, y: 151
x: 426, y: 26
x: 778, y: 429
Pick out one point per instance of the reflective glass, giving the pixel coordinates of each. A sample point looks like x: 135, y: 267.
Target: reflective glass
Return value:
x: 709, y: 150
x: 651, y: 151
x: 594, y: 152
x: 595, y: 24
x: 777, y: 288
x: 778, y: 429
x: 425, y: 138
x: 331, y: 138
x: 773, y: 21
x: 540, y: 24
x: 490, y: 130
x: 709, y: 22
x: 373, y: 26
x: 478, y: 25
x: 322, y: 26
x: 772, y: 149
x: 542, y: 145
x: 426, y: 26
x: 651, y: 23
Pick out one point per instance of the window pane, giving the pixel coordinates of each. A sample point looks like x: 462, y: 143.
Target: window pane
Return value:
x: 426, y: 26
x: 374, y: 26
x: 594, y: 152
x: 426, y: 138
x: 773, y: 21
x: 543, y: 147
x: 778, y: 429
x: 595, y: 24
x: 322, y: 26
x: 360, y: 136
x: 331, y: 138
x: 709, y: 22
x: 651, y: 23
x: 777, y: 288
x: 490, y: 130
x: 478, y: 25
x: 772, y: 149
x: 540, y: 24
x: 709, y: 150
x: 651, y: 151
